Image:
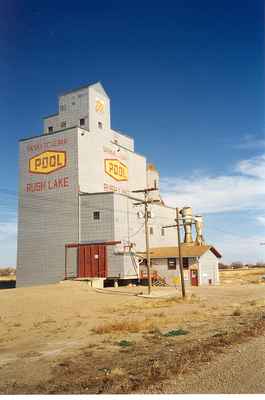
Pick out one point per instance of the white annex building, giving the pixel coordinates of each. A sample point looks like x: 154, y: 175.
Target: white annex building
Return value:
x: 77, y: 212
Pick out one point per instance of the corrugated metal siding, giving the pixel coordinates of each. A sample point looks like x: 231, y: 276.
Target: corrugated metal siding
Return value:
x: 46, y: 220
x: 91, y: 229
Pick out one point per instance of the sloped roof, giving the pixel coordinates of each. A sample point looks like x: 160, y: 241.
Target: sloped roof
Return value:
x: 186, y: 251
x: 97, y: 86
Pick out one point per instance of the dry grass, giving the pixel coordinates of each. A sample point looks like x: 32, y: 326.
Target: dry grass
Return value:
x: 148, y: 367
x: 8, y: 278
x: 39, y: 324
x: 118, y: 372
x: 132, y: 326
x: 242, y: 277
x: 151, y: 304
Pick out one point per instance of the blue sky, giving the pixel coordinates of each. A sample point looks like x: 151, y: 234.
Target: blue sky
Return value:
x: 186, y: 80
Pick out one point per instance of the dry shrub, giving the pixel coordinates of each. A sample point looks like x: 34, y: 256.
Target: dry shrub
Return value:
x: 132, y: 326
x: 236, y: 312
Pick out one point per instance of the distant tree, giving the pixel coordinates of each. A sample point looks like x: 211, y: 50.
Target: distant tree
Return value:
x: 260, y: 264
x: 237, y: 264
x: 7, y: 271
x: 223, y: 266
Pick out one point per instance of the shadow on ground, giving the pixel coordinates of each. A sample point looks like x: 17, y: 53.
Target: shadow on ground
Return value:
x: 7, y: 284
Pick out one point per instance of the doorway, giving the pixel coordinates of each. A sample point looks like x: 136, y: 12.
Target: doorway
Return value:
x: 194, y: 277
x: 92, y: 261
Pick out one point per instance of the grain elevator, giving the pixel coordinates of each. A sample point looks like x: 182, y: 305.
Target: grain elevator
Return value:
x: 77, y: 215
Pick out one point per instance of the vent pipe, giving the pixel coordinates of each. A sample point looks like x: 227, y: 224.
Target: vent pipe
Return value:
x: 199, y: 227
x: 186, y: 213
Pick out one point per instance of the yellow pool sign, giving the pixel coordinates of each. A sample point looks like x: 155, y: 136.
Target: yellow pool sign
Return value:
x: 100, y: 106
x: 47, y: 162
x: 116, y: 169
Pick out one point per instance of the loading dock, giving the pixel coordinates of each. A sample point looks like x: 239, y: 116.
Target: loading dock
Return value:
x: 91, y: 259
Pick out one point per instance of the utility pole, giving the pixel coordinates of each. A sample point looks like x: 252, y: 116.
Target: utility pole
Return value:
x: 180, y: 256
x: 177, y: 225
x: 145, y: 202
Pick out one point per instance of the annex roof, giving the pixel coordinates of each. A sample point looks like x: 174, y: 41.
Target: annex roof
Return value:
x: 186, y: 251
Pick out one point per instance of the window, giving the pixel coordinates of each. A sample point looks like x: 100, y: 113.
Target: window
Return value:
x: 82, y: 121
x: 185, y: 262
x: 63, y: 107
x: 63, y: 124
x: 162, y: 231
x: 50, y: 129
x: 155, y: 184
x: 171, y: 263
x: 151, y: 230
x: 100, y: 125
x: 96, y: 215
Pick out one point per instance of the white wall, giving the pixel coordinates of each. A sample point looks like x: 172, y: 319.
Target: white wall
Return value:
x: 72, y: 107
x: 208, y: 267
x: 97, y: 93
x: 93, y: 149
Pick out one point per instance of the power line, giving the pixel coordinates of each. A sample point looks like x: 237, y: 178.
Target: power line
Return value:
x: 46, y: 199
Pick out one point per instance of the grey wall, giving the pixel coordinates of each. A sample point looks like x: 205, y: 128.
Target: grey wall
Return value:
x: 47, y: 219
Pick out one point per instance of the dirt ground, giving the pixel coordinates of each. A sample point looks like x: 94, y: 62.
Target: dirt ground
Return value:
x: 69, y: 338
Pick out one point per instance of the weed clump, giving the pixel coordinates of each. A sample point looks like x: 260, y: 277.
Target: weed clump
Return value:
x: 176, y: 332
x: 236, y: 312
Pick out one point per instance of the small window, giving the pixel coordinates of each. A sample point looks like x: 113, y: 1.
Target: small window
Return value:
x: 82, y: 121
x: 155, y: 184
x: 100, y: 125
x: 185, y: 262
x: 63, y: 107
x: 162, y: 231
x: 50, y: 129
x: 63, y: 124
x: 96, y: 215
x: 171, y: 263
x: 151, y: 230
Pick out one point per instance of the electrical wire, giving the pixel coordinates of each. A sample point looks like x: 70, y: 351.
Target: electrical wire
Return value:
x: 59, y: 202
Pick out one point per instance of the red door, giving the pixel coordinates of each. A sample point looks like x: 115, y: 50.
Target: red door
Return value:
x: 194, y: 277
x: 92, y: 261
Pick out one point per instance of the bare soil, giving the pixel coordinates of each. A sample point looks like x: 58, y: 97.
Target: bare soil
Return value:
x: 69, y: 338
